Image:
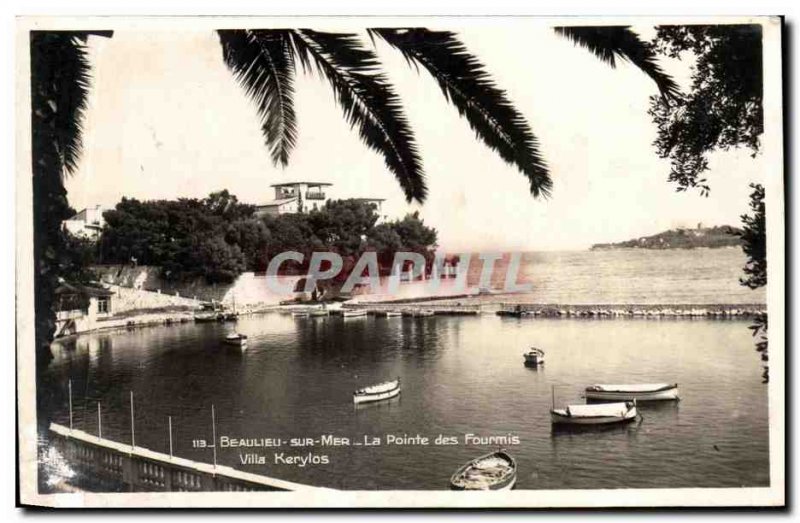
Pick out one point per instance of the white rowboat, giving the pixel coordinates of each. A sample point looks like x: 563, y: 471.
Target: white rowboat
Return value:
x: 598, y: 414
x: 494, y: 471
x: 381, y: 391
x: 237, y: 339
x: 354, y: 313
x: 642, y: 392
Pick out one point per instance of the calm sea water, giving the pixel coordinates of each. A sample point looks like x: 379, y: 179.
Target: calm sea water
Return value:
x: 630, y: 276
x: 460, y: 375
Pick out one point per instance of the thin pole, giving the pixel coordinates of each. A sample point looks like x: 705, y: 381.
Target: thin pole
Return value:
x: 99, y: 422
x: 70, y: 404
x: 170, y: 436
x: 214, y: 434
x: 553, y: 393
x: 133, y: 433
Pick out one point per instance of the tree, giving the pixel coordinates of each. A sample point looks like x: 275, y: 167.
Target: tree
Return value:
x: 723, y: 108
x: 754, y: 240
x: 59, y: 84
x: 754, y: 245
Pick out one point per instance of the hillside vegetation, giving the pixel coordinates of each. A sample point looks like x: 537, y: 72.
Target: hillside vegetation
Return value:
x: 708, y: 237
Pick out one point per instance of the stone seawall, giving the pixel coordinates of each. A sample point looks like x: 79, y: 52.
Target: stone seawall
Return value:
x: 248, y: 290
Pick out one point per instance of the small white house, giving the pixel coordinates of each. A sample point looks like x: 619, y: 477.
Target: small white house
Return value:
x: 295, y: 197
x: 86, y: 224
x: 79, y: 307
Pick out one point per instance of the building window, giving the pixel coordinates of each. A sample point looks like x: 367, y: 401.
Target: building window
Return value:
x: 103, y: 305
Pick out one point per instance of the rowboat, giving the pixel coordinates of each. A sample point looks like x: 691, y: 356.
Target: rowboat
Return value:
x: 597, y: 414
x: 423, y: 313
x: 300, y: 314
x: 534, y: 357
x: 354, y: 313
x: 240, y: 340
x: 319, y: 313
x: 381, y: 391
x: 393, y: 314
x: 643, y: 392
x: 493, y: 471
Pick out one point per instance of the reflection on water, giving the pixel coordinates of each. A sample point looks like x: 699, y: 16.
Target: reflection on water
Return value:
x: 460, y: 375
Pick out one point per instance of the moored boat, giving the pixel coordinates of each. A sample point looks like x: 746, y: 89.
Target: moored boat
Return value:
x: 394, y: 314
x: 206, y: 317
x: 493, y: 471
x: 534, y: 357
x: 240, y: 340
x: 319, y: 313
x: 598, y: 414
x: 423, y: 313
x: 639, y: 392
x: 354, y: 313
x: 381, y: 391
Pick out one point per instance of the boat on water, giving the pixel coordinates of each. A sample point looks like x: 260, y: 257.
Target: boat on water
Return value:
x: 240, y: 340
x: 597, y: 414
x: 639, y: 392
x: 493, y: 471
x: 206, y: 317
x: 423, y: 313
x: 354, y: 313
x: 394, y: 314
x: 534, y: 357
x: 381, y: 391
x: 319, y: 313
x: 300, y: 314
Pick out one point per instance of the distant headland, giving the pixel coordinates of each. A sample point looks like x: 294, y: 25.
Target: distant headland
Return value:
x: 681, y: 238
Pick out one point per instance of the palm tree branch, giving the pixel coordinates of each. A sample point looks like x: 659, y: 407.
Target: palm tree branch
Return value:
x: 465, y: 82
x: 263, y: 64
x: 368, y: 101
x: 611, y: 42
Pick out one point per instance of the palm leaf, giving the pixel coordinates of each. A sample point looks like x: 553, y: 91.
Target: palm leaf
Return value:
x: 367, y: 100
x: 464, y: 81
x: 263, y: 63
x: 61, y: 90
x: 611, y: 42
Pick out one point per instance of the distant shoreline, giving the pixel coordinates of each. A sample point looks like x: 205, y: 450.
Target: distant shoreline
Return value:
x: 684, y: 239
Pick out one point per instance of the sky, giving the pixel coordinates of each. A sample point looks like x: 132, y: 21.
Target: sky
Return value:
x: 167, y: 119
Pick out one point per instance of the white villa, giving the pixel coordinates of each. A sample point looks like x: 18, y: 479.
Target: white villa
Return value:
x: 86, y: 224
x: 297, y: 197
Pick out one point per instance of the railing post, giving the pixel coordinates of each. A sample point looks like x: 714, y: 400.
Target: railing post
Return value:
x: 99, y: 422
x: 70, y: 405
x: 133, y: 431
x: 214, y: 435
x: 170, y: 437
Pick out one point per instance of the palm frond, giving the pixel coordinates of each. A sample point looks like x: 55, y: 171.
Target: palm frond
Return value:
x: 263, y: 63
x: 465, y: 82
x: 62, y: 90
x: 611, y: 42
x: 367, y: 99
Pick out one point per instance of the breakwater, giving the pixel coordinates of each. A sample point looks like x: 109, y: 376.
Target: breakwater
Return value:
x: 719, y: 311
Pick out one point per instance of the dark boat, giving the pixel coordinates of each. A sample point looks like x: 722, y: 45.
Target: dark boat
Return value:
x: 534, y: 357
x: 493, y: 471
